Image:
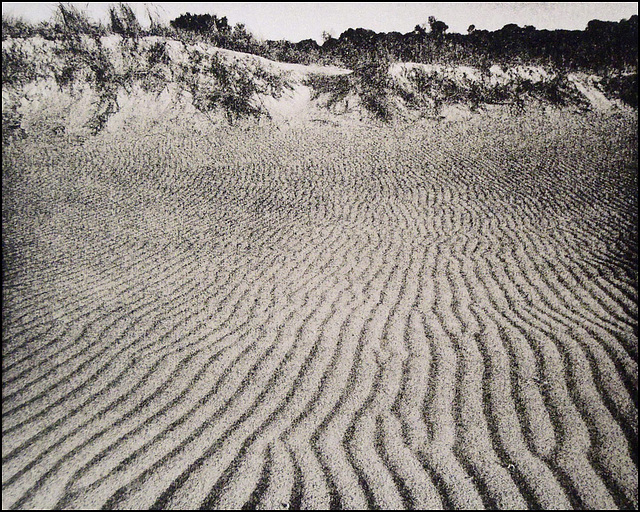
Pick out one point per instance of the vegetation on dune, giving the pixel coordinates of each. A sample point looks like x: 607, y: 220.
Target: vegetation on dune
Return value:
x: 81, y: 56
x: 124, y: 21
x: 441, y: 89
x: 429, y: 90
x: 17, y: 67
x: 69, y: 22
x: 624, y: 87
x: 86, y: 58
x: 193, y: 28
x: 374, y: 85
x: 602, y: 46
x: 219, y: 84
x: 216, y: 85
x: 370, y: 82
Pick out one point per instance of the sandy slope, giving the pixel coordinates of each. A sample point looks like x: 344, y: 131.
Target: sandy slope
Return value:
x: 437, y: 315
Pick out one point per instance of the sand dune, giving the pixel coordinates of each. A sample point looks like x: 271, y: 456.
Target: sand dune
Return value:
x: 436, y: 315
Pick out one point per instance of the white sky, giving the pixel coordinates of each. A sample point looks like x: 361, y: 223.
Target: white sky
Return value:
x: 301, y: 20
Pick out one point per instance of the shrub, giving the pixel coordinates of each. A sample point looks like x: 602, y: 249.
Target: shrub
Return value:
x: 81, y: 54
x: 202, y: 23
x: 17, y: 68
x: 14, y: 26
x: 623, y: 87
x: 369, y: 80
x: 215, y: 85
x: 374, y: 85
x: 106, y: 82
x: 158, y: 54
x: 230, y: 87
x: 440, y: 89
x: 269, y: 83
x: 85, y: 58
x: 158, y: 72
x: 434, y: 89
x: 337, y: 87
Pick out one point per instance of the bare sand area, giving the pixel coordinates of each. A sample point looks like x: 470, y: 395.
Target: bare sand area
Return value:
x: 413, y: 316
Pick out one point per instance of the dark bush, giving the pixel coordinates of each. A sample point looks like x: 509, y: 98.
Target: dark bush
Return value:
x: 17, y: 68
x: 158, y: 54
x: 370, y: 81
x: 337, y: 87
x: 216, y: 85
x: 374, y: 84
x: 202, y: 23
x: 623, y: 87
x: 13, y: 26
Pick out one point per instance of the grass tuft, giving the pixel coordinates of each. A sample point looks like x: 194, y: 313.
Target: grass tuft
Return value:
x: 71, y: 22
x: 124, y: 21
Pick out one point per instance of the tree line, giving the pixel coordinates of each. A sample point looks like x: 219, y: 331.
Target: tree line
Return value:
x: 601, y: 46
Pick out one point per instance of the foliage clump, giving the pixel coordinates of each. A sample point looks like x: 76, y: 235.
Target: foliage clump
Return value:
x: 218, y: 85
x: 201, y: 23
x: 440, y: 89
x: 70, y: 23
x: 17, y: 67
x: 370, y: 82
x: 623, y: 86
x: 16, y: 27
x: 337, y: 87
x: 600, y: 47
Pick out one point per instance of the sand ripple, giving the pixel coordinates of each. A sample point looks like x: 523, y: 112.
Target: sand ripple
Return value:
x: 411, y: 317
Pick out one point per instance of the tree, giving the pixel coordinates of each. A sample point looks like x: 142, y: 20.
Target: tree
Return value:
x: 240, y: 39
x: 202, y: 23
x: 420, y: 29
x: 438, y: 28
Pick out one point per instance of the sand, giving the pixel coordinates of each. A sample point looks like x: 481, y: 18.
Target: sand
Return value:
x: 414, y: 316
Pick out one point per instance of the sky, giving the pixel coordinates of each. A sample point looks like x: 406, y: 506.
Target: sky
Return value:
x: 302, y: 20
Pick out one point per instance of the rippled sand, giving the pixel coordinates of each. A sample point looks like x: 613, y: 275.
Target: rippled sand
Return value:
x: 437, y: 315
